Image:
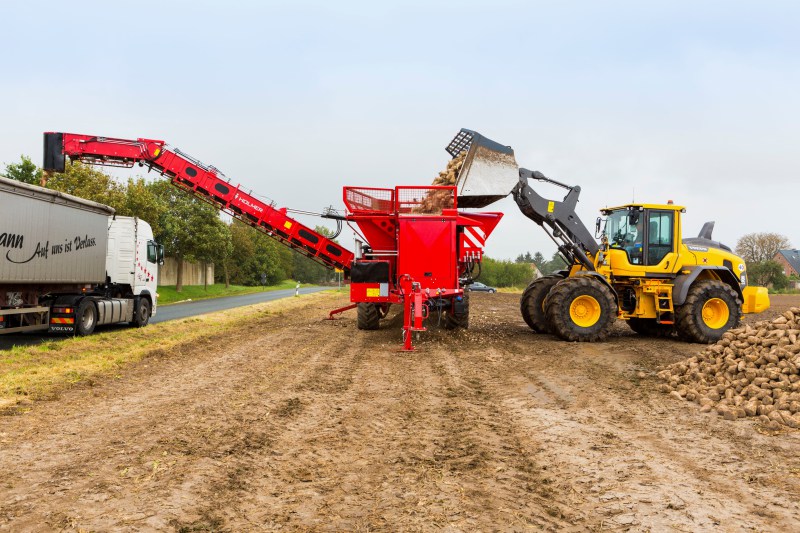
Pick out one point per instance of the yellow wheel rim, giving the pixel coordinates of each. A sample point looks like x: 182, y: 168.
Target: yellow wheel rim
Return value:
x: 715, y: 313
x: 585, y: 311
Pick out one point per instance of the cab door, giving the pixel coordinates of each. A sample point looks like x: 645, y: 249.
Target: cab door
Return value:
x: 660, y: 241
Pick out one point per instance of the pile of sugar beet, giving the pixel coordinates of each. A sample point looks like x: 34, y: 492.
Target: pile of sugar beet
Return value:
x: 752, y: 371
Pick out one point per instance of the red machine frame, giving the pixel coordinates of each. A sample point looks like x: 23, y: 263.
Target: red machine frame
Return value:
x: 419, y: 246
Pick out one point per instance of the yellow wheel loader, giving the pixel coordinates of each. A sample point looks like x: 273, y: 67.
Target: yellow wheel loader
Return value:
x: 635, y: 267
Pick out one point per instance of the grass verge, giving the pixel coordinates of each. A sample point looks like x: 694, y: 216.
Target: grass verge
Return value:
x: 168, y: 295
x: 511, y: 290
x: 41, y: 372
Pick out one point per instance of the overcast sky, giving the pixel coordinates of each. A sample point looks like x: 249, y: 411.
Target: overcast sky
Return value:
x: 691, y: 101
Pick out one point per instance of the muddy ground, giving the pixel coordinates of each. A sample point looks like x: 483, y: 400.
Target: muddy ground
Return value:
x: 297, y: 423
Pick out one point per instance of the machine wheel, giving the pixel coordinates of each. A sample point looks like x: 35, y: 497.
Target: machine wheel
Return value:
x: 532, y: 302
x: 581, y: 309
x: 650, y: 328
x: 85, y: 318
x: 711, y: 309
x: 369, y: 316
x: 461, y: 320
x: 141, y: 315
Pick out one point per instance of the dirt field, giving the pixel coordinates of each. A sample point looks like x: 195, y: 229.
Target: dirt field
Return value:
x: 301, y: 423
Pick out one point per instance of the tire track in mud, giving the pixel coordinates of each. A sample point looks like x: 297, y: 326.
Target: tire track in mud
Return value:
x: 350, y: 444
x: 178, y: 435
x: 502, y: 464
x: 296, y: 423
x: 642, y: 467
x: 284, y: 398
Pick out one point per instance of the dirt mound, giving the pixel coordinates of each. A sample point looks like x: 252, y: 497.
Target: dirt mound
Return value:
x: 752, y: 371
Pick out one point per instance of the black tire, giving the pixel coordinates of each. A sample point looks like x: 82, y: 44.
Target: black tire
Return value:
x: 581, y: 308
x: 141, y: 315
x: 85, y: 318
x: 368, y: 316
x: 708, y: 296
x: 532, y: 302
x: 491, y: 291
x: 650, y: 328
x: 454, y: 320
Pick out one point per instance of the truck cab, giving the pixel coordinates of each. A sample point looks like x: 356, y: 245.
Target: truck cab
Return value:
x: 132, y: 259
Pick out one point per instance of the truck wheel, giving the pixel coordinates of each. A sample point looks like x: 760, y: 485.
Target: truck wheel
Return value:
x: 454, y: 320
x: 581, y: 309
x: 86, y: 318
x: 141, y: 315
x: 532, y: 302
x: 711, y: 308
x: 650, y: 328
x: 368, y: 316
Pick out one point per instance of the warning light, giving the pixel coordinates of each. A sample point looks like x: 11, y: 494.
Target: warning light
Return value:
x: 669, y: 202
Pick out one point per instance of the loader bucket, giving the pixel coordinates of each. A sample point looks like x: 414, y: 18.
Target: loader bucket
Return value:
x: 489, y: 172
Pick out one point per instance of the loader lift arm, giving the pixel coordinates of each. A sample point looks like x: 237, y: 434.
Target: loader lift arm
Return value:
x: 203, y: 181
x: 490, y: 172
x: 559, y: 219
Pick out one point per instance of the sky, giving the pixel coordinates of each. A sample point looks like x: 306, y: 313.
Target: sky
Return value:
x: 695, y: 102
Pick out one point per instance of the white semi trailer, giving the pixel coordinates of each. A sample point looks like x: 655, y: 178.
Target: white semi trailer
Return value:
x: 68, y: 265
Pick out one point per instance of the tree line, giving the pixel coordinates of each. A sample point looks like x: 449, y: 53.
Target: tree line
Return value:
x: 758, y: 251
x: 189, y: 228
x: 519, y: 273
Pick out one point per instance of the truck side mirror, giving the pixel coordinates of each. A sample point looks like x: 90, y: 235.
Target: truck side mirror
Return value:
x: 160, y: 254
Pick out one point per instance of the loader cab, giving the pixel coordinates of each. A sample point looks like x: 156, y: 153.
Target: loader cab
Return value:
x: 642, y: 238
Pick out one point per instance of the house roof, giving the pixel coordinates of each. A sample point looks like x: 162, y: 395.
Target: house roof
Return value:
x: 792, y: 257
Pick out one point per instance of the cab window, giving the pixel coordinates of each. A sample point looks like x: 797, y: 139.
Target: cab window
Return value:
x: 659, y: 236
x: 624, y: 230
x: 152, y: 252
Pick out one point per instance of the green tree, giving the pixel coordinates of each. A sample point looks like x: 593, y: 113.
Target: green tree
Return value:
x: 538, y: 259
x: 767, y: 273
x: 555, y: 264
x: 215, y: 245
x: 140, y: 200
x: 524, y: 258
x: 87, y: 182
x: 307, y: 270
x: 255, y: 254
x: 189, y: 228
x: 242, y: 250
x: 505, y: 273
x: 25, y: 171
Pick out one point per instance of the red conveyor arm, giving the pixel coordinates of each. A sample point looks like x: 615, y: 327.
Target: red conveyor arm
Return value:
x: 205, y: 182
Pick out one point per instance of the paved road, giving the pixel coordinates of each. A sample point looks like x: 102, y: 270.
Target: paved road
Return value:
x: 174, y: 311
x: 201, y: 307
